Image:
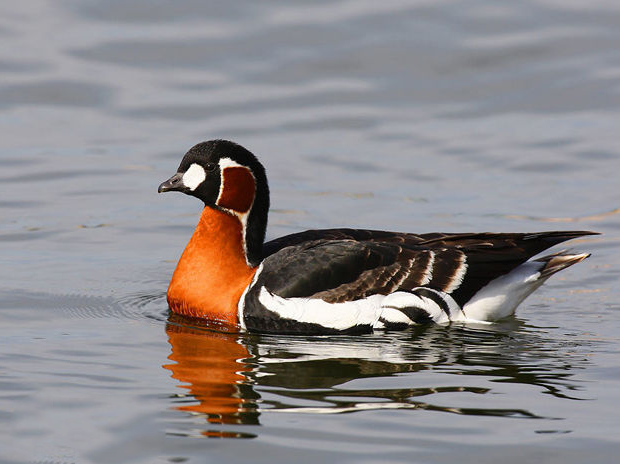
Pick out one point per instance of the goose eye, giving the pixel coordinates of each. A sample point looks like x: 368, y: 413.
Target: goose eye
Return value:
x: 210, y: 167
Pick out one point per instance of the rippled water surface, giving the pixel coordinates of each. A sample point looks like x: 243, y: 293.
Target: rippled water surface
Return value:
x: 402, y: 115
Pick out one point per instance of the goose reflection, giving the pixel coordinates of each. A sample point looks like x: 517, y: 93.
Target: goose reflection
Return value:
x: 232, y: 378
x: 212, y: 368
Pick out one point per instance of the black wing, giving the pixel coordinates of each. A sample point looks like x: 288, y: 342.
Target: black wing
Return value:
x: 345, y: 264
x: 337, y: 270
x: 358, y: 235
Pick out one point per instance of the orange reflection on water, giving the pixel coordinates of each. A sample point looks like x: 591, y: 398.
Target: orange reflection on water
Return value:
x: 210, y: 365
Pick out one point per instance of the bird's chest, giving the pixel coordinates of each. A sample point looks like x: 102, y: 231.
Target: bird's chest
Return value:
x: 212, y: 272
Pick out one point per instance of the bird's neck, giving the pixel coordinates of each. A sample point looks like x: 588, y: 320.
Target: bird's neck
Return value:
x: 213, y: 270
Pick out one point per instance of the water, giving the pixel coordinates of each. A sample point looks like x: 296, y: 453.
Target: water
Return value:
x: 414, y: 116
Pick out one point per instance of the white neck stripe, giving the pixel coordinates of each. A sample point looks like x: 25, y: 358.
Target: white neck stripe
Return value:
x: 243, y: 217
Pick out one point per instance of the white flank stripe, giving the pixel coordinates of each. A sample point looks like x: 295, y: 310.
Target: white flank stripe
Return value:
x: 393, y: 315
x: 459, y: 274
x: 428, y: 272
x: 194, y: 176
x: 411, y: 300
x: 394, y: 301
x: 241, y: 303
x: 339, y: 316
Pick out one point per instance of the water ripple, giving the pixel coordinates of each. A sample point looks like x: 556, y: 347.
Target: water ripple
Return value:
x: 234, y: 379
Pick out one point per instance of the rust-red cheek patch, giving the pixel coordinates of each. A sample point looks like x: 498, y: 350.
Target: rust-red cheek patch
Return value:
x: 238, y: 191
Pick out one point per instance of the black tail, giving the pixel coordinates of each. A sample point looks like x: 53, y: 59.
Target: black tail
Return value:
x: 490, y: 255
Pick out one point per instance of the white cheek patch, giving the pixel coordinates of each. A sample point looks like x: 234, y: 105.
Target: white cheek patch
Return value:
x: 194, y: 176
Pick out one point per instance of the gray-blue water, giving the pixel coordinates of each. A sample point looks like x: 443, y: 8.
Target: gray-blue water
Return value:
x: 400, y: 115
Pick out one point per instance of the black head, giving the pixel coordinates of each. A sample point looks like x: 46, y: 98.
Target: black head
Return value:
x: 228, y: 177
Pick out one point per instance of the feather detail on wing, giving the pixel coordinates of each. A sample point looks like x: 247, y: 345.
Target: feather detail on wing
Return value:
x: 340, y: 265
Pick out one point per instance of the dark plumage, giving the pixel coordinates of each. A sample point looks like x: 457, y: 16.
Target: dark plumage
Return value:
x: 347, y: 280
x: 338, y: 265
